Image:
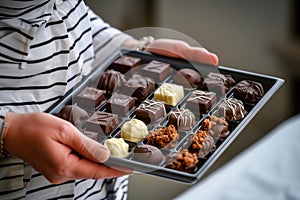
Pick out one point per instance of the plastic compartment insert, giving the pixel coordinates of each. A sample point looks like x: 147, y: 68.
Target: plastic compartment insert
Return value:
x: 270, y: 84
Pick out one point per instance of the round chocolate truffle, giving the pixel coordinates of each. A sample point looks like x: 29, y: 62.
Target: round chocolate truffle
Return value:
x: 249, y: 91
x: 188, y: 78
x: 73, y: 114
x: 148, y: 154
x: 109, y: 80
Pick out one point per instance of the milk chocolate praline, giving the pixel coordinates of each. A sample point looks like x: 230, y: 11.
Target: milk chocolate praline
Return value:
x: 201, y: 143
x: 218, y: 83
x: 232, y: 109
x: 73, y: 114
x: 188, y: 78
x: 148, y: 154
x: 183, y: 119
x: 110, y: 80
x: 150, y: 111
x: 126, y: 63
x: 139, y: 87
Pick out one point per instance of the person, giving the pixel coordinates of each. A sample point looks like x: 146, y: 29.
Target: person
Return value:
x: 269, y: 169
x: 46, y: 48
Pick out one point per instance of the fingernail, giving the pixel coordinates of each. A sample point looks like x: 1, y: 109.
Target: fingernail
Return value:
x: 102, y: 154
x: 214, y: 58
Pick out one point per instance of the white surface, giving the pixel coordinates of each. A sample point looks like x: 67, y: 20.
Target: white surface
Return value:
x: 270, y: 169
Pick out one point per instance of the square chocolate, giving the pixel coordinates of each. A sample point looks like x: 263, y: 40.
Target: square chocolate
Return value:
x: 120, y: 104
x: 150, y: 111
x: 126, y: 63
x: 102, y: 122
x: 90, y: 98
x: 201, y: 101
x: 156, y: 70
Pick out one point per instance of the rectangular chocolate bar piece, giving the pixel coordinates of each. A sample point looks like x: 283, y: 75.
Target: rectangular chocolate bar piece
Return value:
x: 156, y: 70
x: 102, y: 122
x: 120, y: 104
x: 150, y: 111
x: 201, y: 101
x: 90, y: 98
x: 126, y: 63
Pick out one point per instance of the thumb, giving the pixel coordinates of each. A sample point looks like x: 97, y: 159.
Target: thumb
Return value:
x: 90, y: 149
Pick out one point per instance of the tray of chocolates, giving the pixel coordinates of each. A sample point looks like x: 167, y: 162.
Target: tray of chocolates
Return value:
x: 166, y: 117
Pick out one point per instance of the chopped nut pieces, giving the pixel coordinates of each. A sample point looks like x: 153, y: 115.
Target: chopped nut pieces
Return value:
x: 163, y: 137
x: 201, y: 143
x: 215, y: 126
x: 184, y: 161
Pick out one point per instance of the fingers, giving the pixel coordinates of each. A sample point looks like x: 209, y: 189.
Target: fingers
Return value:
x: 201, y: 55
x: 180, y: 49
x: 85, y: 146
x: 84, y: 168
x: 81, y: 168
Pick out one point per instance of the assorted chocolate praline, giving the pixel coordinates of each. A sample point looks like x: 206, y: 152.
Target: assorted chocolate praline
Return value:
x: 162, y: 145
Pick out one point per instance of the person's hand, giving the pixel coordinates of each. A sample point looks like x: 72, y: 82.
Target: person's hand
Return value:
x: 181, y: 49
x: 56, y: 148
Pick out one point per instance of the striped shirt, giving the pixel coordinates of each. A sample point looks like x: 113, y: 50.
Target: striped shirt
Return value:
x: 46, y: 46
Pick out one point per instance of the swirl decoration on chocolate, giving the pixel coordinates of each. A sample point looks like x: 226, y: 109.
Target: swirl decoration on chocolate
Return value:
x: 109, y: 80
x: 231, y: 109
x: 249, y: 91
x: 120, y: 99
x: 153, y: 106
x: 184, y: 118
x: 201, y: 143
x: 200, y: 95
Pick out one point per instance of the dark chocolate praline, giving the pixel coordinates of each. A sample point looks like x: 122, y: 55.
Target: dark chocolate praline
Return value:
x: 249, y: 91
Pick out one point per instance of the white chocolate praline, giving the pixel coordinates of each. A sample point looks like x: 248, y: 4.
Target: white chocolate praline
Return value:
x: 134, y: 130
x: 170, y: 93
x: 117, y: 147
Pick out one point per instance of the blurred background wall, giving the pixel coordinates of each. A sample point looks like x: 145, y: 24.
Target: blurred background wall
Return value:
x: 259, y: 36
